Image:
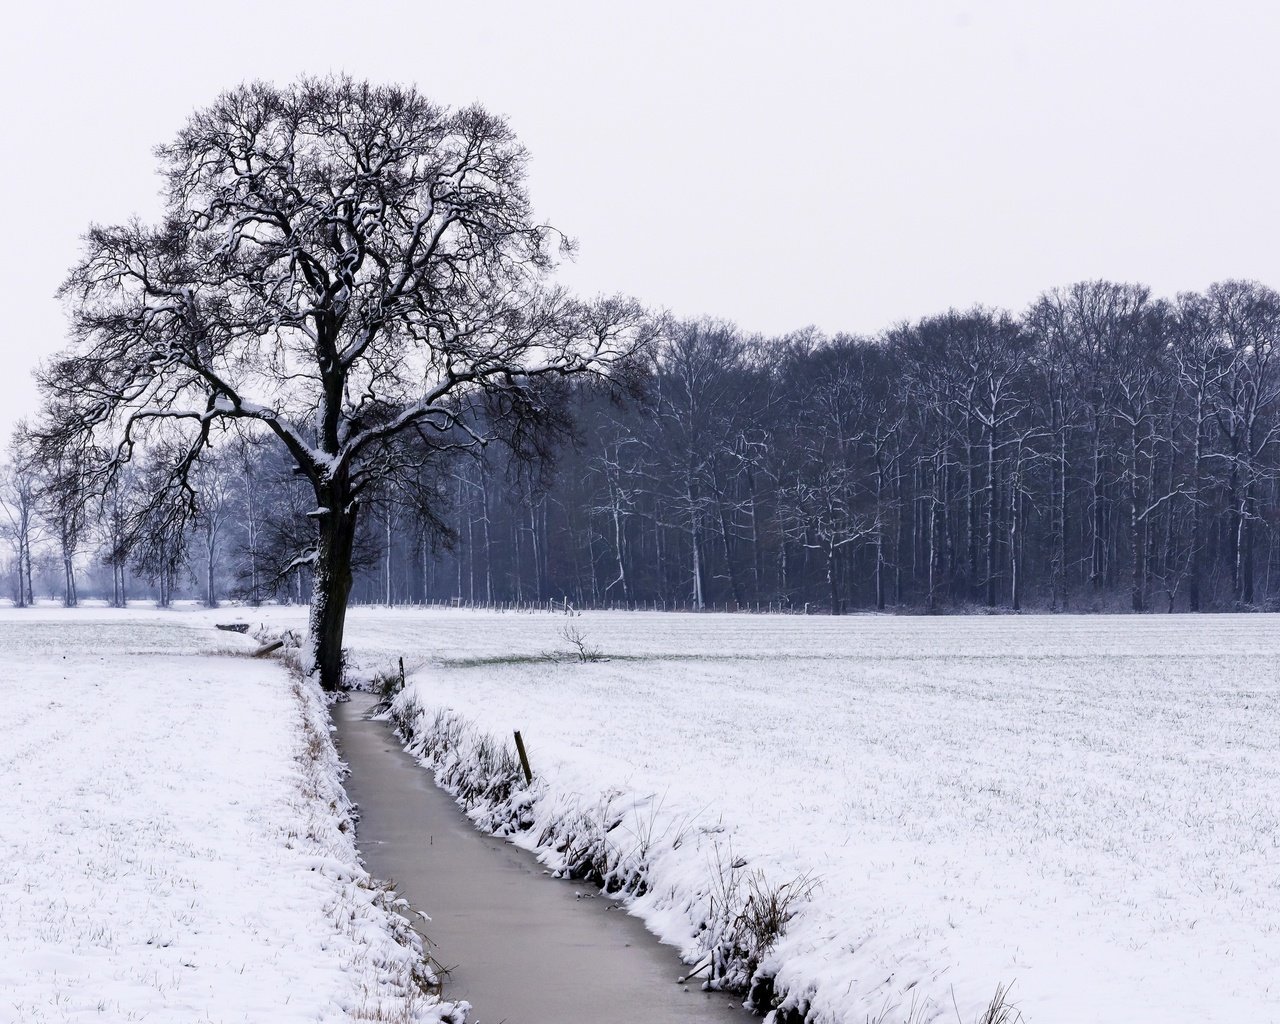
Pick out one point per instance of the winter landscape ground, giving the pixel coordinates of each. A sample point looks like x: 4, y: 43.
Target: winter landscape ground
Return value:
x: 175, y: 841
x: 1082, y: 808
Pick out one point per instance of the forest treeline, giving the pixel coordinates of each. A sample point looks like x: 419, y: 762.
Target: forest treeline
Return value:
x: 1104, y: 450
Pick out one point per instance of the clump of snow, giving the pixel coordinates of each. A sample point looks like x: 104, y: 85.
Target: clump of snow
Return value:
x: 177, y: 842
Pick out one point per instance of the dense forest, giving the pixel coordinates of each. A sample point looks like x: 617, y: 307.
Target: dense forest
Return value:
x: 1105, y: 450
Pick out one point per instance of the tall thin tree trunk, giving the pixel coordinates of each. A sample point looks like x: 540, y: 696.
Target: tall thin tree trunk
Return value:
x: 1015, y: 538
x: 211, y: 595
x: 833, y: 576
x: 879, y: 533
x: 1097, y: 510
x: 695, y: 546
x: 387, y: 559
x: 488, y: 537
x: 1135, y: 533
x: 992, y: 519
x: 735, y: 584
x: 1197, y: 478
x: 618, y: 544
x: 69, y: 598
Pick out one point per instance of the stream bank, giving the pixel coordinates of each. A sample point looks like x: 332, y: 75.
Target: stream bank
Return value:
x: 521, y: 947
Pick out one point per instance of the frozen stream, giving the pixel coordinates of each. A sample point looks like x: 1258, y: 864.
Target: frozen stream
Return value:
x: 524, y: 949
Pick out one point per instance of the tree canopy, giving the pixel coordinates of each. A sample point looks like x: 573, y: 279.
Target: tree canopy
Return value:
x: 343, y: 266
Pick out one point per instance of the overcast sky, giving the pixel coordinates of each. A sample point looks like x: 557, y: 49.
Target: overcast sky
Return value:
x: 845, y: 164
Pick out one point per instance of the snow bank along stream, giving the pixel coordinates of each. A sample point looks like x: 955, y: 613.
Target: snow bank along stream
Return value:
x: 175, y: 839
x: 521, y: 948
x: 1081, y: 806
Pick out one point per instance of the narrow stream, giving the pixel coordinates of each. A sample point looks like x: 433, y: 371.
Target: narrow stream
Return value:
x: 522, y: 948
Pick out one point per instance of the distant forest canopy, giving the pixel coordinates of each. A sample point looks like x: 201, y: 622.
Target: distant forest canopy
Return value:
x: 1107, y: 450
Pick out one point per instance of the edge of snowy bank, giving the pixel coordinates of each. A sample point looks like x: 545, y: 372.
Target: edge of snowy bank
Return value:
x: 682, y: 878
x: 679, y: 873
x: 395, y: 982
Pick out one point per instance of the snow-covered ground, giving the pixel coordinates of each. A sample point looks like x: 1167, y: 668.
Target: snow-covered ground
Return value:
x: 175, y: 842
x: 1085, y: 808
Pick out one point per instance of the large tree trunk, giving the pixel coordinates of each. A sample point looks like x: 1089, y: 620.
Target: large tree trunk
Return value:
x: 331, y: 588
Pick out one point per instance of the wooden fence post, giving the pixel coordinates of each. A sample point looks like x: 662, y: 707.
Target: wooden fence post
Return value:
x: 524, y: 758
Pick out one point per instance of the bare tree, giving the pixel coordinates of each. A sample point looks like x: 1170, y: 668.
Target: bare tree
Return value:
x: 113, y: 529
x: 19, y: 491
x: 215, y: 504
x: 1247, y: 317
x: 1202, y: 362
x: 689, y: 412
x: 252, y: 495
x: 62, y: 494
x: 156, y: 534
x: 341, y: 265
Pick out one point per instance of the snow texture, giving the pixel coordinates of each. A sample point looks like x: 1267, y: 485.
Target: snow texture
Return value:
x: 176, y: 841
x: 1083, y: 808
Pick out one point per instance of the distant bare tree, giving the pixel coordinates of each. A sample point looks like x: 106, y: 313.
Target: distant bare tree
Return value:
x: 215, y: 505
x: 113, y: 530
x: 157, y: 524
x: 19, y: 492
x: 62, y: 498
x: 690, y: 408
x: 1247, y: 318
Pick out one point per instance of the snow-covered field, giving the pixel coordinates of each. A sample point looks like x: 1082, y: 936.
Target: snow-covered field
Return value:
x: 174, y: 840
x: 1085, y: 808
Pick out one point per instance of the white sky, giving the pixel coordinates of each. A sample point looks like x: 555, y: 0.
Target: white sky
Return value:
x: 842, y: 164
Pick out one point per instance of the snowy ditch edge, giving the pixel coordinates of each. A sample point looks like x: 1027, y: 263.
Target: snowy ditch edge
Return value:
x: 612, y: 840
x: 398, y: 984
x: 682, y: 877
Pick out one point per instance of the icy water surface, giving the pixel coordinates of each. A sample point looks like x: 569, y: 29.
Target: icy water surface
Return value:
x: 523, y: 948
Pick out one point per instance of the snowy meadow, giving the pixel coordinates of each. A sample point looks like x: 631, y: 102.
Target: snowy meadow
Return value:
x: 176, y: 842
x: 1079, y: 809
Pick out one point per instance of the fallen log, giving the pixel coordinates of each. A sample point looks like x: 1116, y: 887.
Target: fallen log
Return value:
x: 233, y: 627
x: 266, y: 649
